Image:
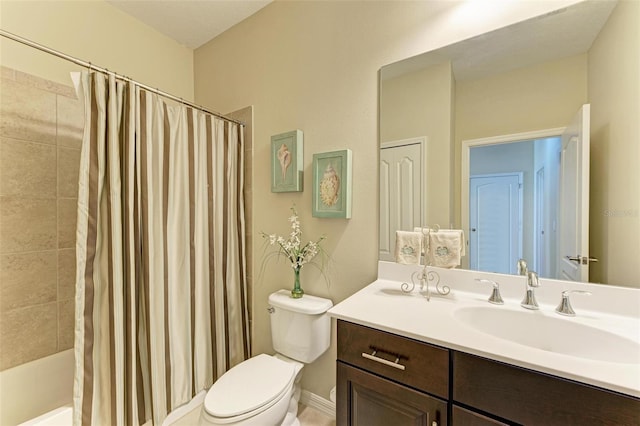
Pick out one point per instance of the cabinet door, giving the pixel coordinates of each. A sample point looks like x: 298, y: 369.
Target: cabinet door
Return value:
x: 364, y: 399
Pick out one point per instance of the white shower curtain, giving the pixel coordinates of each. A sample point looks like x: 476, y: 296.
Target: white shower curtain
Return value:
x: 161, y: 294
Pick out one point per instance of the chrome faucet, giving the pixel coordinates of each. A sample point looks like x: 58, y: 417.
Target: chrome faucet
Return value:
x: 529, y: 301
x: 522, y: 267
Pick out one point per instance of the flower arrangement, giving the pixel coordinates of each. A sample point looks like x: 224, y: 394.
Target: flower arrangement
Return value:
x: 292, y: 248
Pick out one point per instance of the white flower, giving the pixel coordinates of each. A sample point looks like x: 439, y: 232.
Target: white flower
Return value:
x: 291, y: 247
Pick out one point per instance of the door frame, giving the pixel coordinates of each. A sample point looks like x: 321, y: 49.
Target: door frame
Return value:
x: 465, y: 160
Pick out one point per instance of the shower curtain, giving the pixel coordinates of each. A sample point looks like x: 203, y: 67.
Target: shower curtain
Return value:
x: 161, y: 294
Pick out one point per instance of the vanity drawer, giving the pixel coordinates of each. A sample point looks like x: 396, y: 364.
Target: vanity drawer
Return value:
x: 419, y: 365
x: 531, y: 398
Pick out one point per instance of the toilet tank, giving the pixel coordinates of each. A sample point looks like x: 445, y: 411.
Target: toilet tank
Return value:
x: 300, y: 328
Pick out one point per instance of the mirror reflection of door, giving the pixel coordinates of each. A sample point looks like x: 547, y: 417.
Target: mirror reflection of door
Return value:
x: 538, y: 161
x: 495, y: 222
x: 555, y: 199
x: 400, y: 191
x: 574, y: 199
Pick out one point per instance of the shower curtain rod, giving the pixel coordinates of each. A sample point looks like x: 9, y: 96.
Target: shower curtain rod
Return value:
x: 89, y: 65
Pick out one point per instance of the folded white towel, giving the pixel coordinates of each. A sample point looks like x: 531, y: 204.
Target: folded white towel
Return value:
x: 446, y: 247
x: 408, y: 247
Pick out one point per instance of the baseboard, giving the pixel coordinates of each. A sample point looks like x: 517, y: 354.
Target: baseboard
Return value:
x: 319, y: 403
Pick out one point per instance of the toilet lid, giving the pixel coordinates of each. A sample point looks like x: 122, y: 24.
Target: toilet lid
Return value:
x: 248, y: 386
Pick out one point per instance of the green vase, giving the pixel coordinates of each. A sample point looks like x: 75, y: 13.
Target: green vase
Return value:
x: 297, y: 292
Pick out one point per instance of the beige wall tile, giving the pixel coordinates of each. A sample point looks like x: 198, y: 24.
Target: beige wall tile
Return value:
x: 67, y: 214
x: 27, y: 224
x: 27, y: 334
x: 27, y: 113
x: 70, y: 122
x: 27, y: 169
x: 27, y: 279
x: 66, y: 327
x: 8, y: 73
x: 68, y: 169
x: 46, y: 85
x: 66, y: 273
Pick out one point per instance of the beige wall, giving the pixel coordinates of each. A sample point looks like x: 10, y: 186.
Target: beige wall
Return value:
x: 314, y: 66
x: 614, y: 93
x: 94, y: 31
x: 419, y: 104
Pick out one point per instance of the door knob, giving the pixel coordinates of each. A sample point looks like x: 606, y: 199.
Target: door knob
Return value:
x: 582, y: 259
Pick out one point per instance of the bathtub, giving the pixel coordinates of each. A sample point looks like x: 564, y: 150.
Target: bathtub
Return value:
x: 41, y: 393
x: 37, y: 387
x: 62, y: 416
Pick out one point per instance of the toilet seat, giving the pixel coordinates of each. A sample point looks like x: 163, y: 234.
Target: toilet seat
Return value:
x: 249, y: 388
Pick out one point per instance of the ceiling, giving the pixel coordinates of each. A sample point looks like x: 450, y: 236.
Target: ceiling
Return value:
x: 195, y: 22
x: 190, y: 22
x: 556, y: 35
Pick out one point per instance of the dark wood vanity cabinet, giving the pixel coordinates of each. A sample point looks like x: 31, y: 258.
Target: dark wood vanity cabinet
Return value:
x: 430, y: 385
x: 372, y: 392
x: 531, y: 398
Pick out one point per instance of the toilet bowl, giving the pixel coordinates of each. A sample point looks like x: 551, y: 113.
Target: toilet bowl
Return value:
x: 264, y: 390
x: 258, y: 391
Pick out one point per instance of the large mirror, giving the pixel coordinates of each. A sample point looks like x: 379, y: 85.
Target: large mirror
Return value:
x: 502, y: 110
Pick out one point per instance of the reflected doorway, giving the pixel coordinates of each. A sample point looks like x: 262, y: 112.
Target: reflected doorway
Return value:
x: 517, y: 182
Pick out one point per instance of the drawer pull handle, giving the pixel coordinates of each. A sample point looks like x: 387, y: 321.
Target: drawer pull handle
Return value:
x: 375, y: 358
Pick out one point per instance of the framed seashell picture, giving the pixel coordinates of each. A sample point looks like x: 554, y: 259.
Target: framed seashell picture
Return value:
x: 332, y: 184
x: 287, y: 162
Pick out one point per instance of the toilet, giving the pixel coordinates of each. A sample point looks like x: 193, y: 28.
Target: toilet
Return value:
x: 264, y: 390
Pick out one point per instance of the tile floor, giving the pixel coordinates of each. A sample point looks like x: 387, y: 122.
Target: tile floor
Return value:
x: 308, y: 417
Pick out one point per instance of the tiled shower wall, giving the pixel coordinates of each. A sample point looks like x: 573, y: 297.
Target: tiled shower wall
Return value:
x: 41, y: 126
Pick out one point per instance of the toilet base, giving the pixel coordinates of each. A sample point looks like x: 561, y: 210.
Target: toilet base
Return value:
x: 291, y: 419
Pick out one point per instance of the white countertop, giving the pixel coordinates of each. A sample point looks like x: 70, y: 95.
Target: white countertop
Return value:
x: 382, y: 305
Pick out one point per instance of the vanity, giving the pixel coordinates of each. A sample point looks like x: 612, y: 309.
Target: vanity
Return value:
x: 451, y: 360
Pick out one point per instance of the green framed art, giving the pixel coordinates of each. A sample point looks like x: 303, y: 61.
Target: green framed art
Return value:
x: 287, y: 161
x: 332, y: 184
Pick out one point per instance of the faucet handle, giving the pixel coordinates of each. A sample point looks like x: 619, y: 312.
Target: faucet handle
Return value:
x: 564, y: 308
x: 495, y: 297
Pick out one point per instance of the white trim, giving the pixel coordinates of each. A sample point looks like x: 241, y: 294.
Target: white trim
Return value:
x: 493, y: 140
x: 319, y: 403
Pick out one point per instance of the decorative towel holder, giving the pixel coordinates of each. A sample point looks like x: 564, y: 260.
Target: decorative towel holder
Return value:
x: 425, y: 276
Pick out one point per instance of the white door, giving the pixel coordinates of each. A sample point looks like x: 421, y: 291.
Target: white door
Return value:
x: 573, y: 224
x: 400, y: 193
x: 495, y: 222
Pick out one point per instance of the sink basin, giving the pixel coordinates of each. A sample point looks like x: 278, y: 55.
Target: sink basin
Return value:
x: 560, y: 335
